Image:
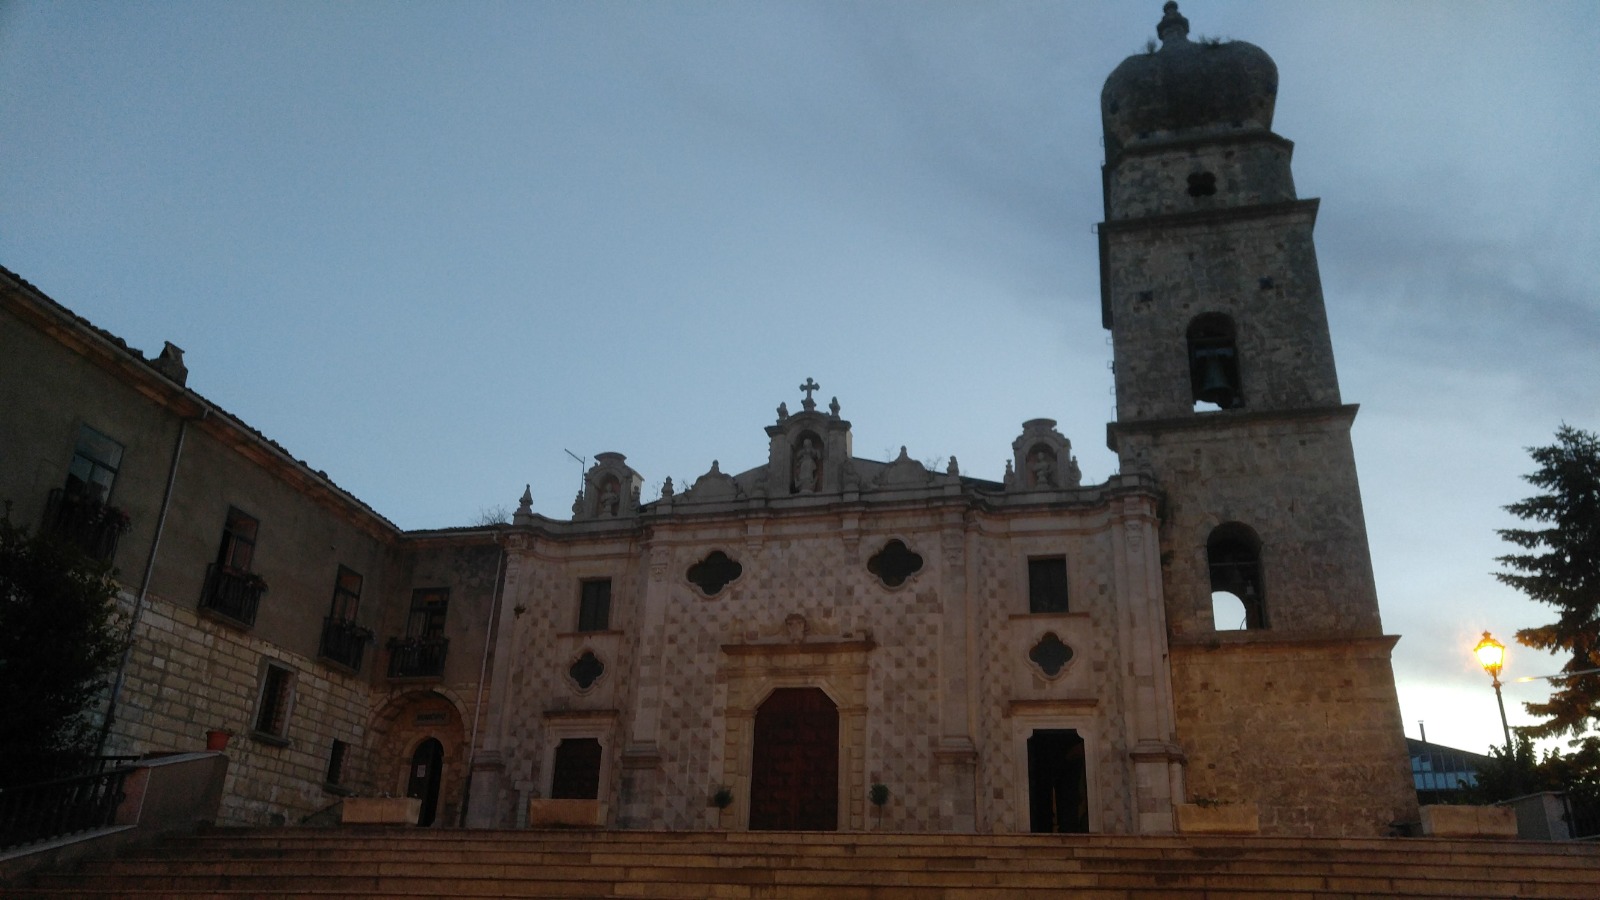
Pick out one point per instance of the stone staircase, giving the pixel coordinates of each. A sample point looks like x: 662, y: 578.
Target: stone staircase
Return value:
x: 412, y: 863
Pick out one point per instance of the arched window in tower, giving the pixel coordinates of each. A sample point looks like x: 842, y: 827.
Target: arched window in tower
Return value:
x: 1233, y: 553
x: 1214, y: 363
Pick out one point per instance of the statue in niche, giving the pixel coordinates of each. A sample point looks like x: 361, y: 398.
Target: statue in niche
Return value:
x: 1043, y: 468
x: 609, y: 498
x: 806, y: 464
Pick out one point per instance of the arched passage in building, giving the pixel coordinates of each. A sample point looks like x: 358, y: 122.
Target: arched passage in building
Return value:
x: 421, y: 729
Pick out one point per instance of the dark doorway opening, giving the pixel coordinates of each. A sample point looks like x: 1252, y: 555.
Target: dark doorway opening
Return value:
x: 794, y: 780
x: 426, y: 764
x: 577, y: 770
x: 1058, y: 783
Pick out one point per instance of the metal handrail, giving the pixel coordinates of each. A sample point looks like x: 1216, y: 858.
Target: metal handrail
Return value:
x: 38, y: 812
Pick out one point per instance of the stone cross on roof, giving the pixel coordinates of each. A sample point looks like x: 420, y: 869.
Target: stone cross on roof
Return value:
x: 808, y: 387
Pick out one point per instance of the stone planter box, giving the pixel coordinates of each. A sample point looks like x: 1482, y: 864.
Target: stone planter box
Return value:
x: 1469, y: 821
x: 380, y: 810
x: 1231, y: 818
x: 566, y: 814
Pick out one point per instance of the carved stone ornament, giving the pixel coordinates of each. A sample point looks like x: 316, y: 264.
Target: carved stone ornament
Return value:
x: 610, y: 489
x: 903, y: 472
x: 714, y: 485
x: 1042, y: 459
x: 795, y: 627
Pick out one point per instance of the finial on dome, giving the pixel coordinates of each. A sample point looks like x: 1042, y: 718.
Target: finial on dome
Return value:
x: 1173, y: 28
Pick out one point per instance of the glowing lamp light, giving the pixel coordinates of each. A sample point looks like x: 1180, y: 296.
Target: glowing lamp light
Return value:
x: 1491, y: 655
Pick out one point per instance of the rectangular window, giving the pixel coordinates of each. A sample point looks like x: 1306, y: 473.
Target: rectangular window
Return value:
x: 346, y: 595
x: 238, y: 548
x: 594, y: 605
x: 95, y: 461
x: 275, y: 701
x: 428, y: 606
x: 1047, y: 584
x: 336, y: 763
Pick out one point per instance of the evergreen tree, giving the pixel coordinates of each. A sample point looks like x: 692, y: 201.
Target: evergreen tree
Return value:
x: 58, y: 646
x: 1560, y: 565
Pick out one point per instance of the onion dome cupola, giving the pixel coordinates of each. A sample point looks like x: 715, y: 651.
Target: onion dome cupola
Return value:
x: 1186, y: 88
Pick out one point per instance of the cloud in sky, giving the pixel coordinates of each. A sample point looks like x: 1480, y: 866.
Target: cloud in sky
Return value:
x: 429, y: 247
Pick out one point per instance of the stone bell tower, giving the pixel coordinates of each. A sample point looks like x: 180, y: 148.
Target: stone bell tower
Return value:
x: 1227, y: 394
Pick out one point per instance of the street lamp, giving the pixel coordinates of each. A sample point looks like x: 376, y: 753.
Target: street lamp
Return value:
x: 1492, y: 655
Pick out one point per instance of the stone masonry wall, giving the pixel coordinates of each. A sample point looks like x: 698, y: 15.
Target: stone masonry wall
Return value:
x: 189, y: 674
x: 1310, y: 733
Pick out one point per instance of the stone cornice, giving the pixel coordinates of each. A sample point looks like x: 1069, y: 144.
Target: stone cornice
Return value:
x: 1241, y: 642
x: 1211, y: 217
x: 1225, y: 419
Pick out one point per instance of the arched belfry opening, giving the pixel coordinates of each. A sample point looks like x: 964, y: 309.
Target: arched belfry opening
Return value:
x: 1233, y: 554
x: 1214, y: 363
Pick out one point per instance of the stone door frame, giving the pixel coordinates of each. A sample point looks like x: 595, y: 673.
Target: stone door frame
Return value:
x: 837, y: 668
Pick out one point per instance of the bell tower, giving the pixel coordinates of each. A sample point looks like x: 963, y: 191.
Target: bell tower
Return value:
x: 1227, y: 394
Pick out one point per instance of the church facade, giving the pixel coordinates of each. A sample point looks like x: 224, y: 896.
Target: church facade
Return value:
x: 818, y: 641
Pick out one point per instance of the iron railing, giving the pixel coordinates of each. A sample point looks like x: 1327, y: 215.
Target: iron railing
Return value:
x: 1583, y: 818
x: 39, y: 812
x: 93, y: 526
x: 232, y: 594
x: 343, y: 642
x: 417, y: 657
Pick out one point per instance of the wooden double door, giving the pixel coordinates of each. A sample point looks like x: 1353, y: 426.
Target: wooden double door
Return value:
x: 794, y: 771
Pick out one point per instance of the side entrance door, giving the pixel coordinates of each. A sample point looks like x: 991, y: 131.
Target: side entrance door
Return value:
x: 424, y: 780
x: 794, y: 769
x: 1058, y: 796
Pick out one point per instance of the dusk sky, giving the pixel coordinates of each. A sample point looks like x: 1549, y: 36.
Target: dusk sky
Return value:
x: 430, y: 247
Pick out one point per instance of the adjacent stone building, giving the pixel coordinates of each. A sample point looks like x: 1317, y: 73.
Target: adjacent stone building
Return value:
x: 814, y: 641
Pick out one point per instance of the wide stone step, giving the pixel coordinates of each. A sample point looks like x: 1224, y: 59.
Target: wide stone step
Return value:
x: 407, y: 863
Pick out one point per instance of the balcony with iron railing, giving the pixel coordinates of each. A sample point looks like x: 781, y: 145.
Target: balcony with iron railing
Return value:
x: 343, y: 643
x: 232, y: 595
x: 417, y: 657
x: 91, y: 525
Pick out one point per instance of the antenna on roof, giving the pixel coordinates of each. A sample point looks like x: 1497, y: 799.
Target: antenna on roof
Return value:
x: 583, y: 463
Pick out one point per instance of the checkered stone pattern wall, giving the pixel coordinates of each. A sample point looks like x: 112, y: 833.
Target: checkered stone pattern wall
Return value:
x: 544, y: 645
x: 1003, y: 649
x: 904, y: 725
x: 822, y: 577
x: 183, y: 663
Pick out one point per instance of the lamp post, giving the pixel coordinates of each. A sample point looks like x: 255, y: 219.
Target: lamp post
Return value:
x: 1492, y: 655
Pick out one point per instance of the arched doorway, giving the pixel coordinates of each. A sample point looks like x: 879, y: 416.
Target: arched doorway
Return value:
x: 423, y: 782
x: 1058, y: 790
x: 794, y: 766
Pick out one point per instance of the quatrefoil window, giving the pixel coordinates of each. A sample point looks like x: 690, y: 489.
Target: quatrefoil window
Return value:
x: 1050, y: 655
x: 587, y: 670
x: 713, y: 573
x: 894, y: 564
